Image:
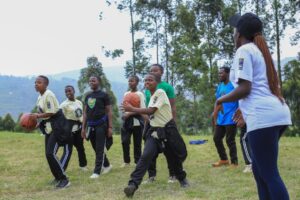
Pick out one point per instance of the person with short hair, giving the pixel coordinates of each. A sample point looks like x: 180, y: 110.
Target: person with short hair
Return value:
x: 56, y: 129
x: 133, y: 124
x: 225, y: 126
x: 261, y: 102
x: 97, y: 124
x: 162, y: 136
x: 158, y: 70
x: 73, y: 109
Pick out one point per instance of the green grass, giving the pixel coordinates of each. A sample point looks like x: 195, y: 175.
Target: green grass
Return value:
x: 24, y: 173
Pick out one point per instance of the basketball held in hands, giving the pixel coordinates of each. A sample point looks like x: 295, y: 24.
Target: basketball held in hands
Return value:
x: 133, y: 99
x: 28, y: 121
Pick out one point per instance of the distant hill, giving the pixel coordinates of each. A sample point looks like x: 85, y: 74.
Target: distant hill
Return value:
x: 17, y: 94
x: 113, y: 73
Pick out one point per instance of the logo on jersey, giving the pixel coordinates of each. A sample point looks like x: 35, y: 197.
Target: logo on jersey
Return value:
x: 78, y: 112
x: 241, y: 63
x: 155, y: 100
x: 48, y: 104
x: 91, y: 102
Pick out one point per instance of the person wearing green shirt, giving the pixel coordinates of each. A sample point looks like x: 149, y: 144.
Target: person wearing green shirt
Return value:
x: 158, y: 70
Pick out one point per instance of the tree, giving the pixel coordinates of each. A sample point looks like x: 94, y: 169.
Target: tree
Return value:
x: 291, y: 91
x: 94, y: 67
x: 1, y: 124
x: 8, y: 123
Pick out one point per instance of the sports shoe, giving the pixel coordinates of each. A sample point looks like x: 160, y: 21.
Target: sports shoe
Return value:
x: 172, y: 179
x: 221, y: 163
x: 129, y: 190
x: 64, y: 183
x: 94, y: 175
x: 85, y: 169
x: 233, y: 166
x: 125, y: 165
x: 184, y: 183
x: 149, y: 180
x: 248, y: 169
x: 105, y: 170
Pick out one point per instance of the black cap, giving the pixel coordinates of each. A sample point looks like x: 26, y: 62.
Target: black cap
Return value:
x: 247, y: 25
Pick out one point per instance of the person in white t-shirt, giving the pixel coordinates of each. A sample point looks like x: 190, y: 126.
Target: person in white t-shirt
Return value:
x: 162, y: 136
x: 263, y: 107
x: 133, y: 124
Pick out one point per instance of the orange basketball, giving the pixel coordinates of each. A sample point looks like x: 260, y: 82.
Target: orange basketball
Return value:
x: 28, y: 122
x: 133, y: 99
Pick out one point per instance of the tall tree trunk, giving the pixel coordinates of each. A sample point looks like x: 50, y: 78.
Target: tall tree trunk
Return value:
x: 195, y: 114
x: 156, y: 39
x: 166, y: 49
x: 132, y: 37
x: 277, y: 41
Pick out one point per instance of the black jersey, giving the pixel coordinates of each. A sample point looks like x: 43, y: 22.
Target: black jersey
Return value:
x: 96, y: 102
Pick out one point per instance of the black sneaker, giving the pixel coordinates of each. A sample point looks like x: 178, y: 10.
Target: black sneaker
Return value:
x: 129, y: 190
x: 64, y: 183
x: 184, y: 183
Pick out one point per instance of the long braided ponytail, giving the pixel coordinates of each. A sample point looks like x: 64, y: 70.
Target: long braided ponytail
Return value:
x: 272, y: 76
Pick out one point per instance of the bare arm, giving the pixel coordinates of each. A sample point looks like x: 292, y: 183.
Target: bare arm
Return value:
x: 147, y: 111
x: 43, y: 115
x: 238, y: 93
x: 173, y: 107
x: 83, y: 128
x: 108, y: 111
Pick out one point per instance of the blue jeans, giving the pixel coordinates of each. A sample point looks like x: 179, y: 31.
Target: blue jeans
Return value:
x: 264, y: 154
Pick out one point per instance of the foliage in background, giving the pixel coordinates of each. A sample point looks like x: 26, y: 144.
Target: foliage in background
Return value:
x: 94, y: 68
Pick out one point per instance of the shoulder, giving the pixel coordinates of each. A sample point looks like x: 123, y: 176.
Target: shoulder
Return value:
x: 166, y: 85
x: 126, y: 93
x: 64, y: 103
x: 78, y: 102
x: 49, y: 95
x: 159, y: 92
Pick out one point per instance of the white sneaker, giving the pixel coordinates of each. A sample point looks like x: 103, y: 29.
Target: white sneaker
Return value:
x: 106, y: 169
x: 248, y: 169
x: 172, y: 179
x: 84, y: 168
x: 125, y: 165
x: 94, y: 175
x: 149, y: 180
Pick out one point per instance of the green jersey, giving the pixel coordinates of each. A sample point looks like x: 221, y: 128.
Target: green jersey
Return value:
x: 164, y: 86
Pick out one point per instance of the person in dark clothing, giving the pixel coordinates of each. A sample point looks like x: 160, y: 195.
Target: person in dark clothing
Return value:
x: 133, y: 124
x: 56, y: 129
x: 162, y: 136
x: 97, y: 124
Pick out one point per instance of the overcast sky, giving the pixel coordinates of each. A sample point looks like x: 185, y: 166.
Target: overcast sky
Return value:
x: 48, y: 37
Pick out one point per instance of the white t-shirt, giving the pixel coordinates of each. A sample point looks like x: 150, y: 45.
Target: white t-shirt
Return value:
x: 260, y: 109
x: 163, y: 114
x: 142, y: 105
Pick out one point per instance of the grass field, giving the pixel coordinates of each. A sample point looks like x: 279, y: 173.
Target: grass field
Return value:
x: 24, y: 173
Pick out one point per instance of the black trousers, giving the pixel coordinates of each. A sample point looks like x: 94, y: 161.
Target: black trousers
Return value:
x: 245, y: 145
x: 152, y: 148
x: 152, y: 167
x: 57, y: 166
x: 230, y: 132
x: 78, y: 143
x: 98, y: 141
x: 137, y: 144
